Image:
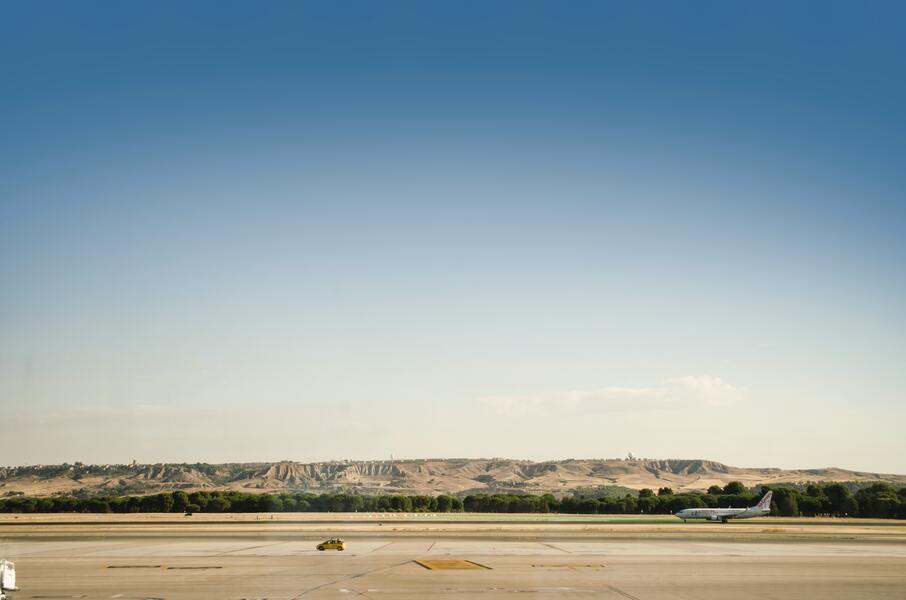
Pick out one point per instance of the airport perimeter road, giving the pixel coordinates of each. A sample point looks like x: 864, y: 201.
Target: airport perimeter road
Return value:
x: 259, y: 567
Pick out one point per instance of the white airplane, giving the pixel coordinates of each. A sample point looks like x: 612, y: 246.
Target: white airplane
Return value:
x: 725, y: 514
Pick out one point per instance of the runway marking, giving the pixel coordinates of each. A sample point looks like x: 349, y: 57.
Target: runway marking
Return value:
x: 382, y: 547
x: 348, y: 577
x: 556, y: 547
x: 225, y: 552
x: 99, y: 547
x: 531, y: 590
x: 622, y: 593
x: 134, y: 566
x: 438, y: 565
x: 570, y: 566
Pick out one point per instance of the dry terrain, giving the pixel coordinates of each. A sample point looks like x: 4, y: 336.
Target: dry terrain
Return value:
x: 429, y: 476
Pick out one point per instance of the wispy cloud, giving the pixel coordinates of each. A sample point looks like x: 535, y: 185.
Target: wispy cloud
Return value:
x: 690, y: 391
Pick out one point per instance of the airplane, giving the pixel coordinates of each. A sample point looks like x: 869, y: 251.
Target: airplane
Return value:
x: 725, y: 514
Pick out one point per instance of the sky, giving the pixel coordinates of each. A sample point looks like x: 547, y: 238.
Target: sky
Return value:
x: 248, y: 231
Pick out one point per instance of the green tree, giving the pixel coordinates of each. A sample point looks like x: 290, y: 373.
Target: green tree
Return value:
x: 98, y: 505
x: 850, y: 507
x: 548, y: 503
x: 269, y: 503
x: 647, y: 504
x: 786, y: 502
x: 838, y: 497
x: 810, y: 506
x: 588, y: 506
x: 180, y: 501
x: 119, y: 505
x: 444, y: 504
x: 217, y: 504
x: 628, y: 505
x: 735, y: 488
x: 879, y: 500
x: 200, y: 499
x: 165, y: 502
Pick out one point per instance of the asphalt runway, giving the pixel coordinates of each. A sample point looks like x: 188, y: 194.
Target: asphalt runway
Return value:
x: 259, y: 565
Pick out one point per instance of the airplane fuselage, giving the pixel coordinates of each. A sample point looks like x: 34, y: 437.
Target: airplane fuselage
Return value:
x: 721, y: 514
x: 725, y: 514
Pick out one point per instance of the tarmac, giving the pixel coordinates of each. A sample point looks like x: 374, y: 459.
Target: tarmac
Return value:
x: 203, y: 561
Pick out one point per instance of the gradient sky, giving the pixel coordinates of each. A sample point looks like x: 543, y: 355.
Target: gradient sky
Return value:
x: 240, y: 231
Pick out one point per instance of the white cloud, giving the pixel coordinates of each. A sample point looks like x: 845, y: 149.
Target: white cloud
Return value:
x: 690, y: 391
x: 706, y: 388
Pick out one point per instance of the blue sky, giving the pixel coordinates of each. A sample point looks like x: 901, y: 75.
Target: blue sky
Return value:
x: 258, y: 231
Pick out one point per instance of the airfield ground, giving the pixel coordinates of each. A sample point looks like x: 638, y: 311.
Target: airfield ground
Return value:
x: 483, y: 556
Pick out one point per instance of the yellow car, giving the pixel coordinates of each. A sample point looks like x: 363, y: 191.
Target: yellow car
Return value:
x: 332, y: 544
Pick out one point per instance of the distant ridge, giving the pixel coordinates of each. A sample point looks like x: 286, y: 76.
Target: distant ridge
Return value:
x: 424, y: 476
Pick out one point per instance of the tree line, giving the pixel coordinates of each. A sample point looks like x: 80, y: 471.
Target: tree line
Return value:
x: 230, y: 501
x: 879, y: 500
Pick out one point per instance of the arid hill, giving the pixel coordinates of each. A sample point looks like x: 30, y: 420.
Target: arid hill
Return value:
x: 428, y: 476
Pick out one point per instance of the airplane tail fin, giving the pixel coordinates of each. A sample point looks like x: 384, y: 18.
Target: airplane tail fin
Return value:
x: 766, y: 501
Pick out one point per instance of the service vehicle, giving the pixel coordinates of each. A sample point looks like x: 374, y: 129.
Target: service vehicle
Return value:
x: 332, y: 544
